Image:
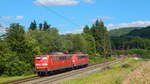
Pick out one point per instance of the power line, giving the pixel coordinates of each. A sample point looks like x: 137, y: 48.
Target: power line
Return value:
x: 58, y: 14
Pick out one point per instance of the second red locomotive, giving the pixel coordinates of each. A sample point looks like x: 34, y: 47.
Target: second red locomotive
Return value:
x: 45, y: 64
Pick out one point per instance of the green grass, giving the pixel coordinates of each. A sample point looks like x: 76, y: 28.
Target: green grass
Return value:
x: 143, y: 76
x: 4, y: 79
x: 101, y: 59
x: 114, y: 75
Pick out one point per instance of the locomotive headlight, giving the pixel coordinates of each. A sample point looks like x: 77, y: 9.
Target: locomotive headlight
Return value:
x: 44, y: 64
x: 37, y: 64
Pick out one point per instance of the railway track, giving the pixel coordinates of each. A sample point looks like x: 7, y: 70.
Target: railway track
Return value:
x: 62, y: 76
x: 23, y: 80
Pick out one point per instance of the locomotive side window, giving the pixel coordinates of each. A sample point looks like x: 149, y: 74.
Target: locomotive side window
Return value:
x: 68, y: 57
x: 55, y: 58
x: 61, y: 58
x: 38, y: 58
x: 44, y: 58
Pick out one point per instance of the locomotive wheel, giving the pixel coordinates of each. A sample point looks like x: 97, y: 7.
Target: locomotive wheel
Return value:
x: 41, y: 73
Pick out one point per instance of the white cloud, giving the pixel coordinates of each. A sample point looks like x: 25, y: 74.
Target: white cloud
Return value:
x: 131, y: 24
x: 114, y: 26
x: 101, y: 18
x: 75, y: 31
x: 2, y: 29
x: 62, y: 25
x: 19, y: 17
x: 88, y: 1
x: 8, y: 18
x: 5, y: 18
x: 92, y: 20
x: 105, y: 17
x: 56, y: 2
x: 78, y: 30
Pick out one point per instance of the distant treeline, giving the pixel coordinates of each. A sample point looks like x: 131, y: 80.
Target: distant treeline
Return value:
x: 136, y: 41
x: 138, y: 38
x: 18, y: 48
x: 122, y: 31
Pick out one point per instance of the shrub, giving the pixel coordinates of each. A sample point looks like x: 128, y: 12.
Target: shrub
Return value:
x: 17, y: 68
x: 126, y: 65
x: 142, y: 53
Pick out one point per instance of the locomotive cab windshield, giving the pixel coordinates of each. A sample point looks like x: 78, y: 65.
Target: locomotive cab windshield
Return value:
x: 41, y: 62
x: 44, y: 58
x: 38, y: 58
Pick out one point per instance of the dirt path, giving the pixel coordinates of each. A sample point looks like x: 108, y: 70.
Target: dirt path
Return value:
x: 137, y: 74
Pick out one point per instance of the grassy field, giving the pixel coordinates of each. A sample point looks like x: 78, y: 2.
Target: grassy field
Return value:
x: 101, y: 59
x: 115, y: 75
x: 4, y: 79
x: 140, y: 75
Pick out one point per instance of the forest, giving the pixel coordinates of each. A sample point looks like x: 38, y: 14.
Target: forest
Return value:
x: 138, y: 38
x: 19, y: 47
x: 134, y: 41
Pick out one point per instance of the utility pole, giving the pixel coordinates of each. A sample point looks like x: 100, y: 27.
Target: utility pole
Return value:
x: 123, y: 51
x: 105, y: 50
x: 115, y: 52
x: 128, y: 50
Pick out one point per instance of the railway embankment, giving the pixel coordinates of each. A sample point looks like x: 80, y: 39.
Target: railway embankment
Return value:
x: 69, y: 75
x: 129, y: 71
x: 74, y: 74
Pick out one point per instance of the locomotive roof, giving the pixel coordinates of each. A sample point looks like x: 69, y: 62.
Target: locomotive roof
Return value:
x: 60, y: 55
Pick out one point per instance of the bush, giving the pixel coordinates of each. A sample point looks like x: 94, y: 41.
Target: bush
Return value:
x: 142, y: 53
x: 126, y: 65
x: 95, y: 58
x: 17, y: 68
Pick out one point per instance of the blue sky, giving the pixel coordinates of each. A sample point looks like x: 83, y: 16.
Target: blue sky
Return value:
x: 114, y: 13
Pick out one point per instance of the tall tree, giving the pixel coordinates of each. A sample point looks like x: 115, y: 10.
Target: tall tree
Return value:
x: 20, y: 53
x: 79, y: 43
x: 16, y: 37
x: 49, y: 40
x: 98, y: 31
x: 91, y: 50
x: 40, y: 26
x: 33, y: 25
x: 46, y: 26
x: 68, y: 45
x: 86, y: 29
x: 6, y: 55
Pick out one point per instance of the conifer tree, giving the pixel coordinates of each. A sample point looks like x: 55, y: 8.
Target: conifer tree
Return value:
x: 98, y: 30
x: 46, y: 26
x: 33, y: 25
x: 40, y: 26
x: 86, y: 29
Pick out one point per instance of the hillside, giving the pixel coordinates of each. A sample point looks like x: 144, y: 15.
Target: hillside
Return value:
x: 144, y: 32
x: 122, y: 31
x: 137, y: 38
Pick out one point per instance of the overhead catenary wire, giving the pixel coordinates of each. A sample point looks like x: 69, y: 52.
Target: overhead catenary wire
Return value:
x: 59, y: 15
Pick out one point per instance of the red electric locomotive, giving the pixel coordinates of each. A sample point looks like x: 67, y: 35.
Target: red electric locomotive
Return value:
x: 79, y: 60
x: 45, y: 64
